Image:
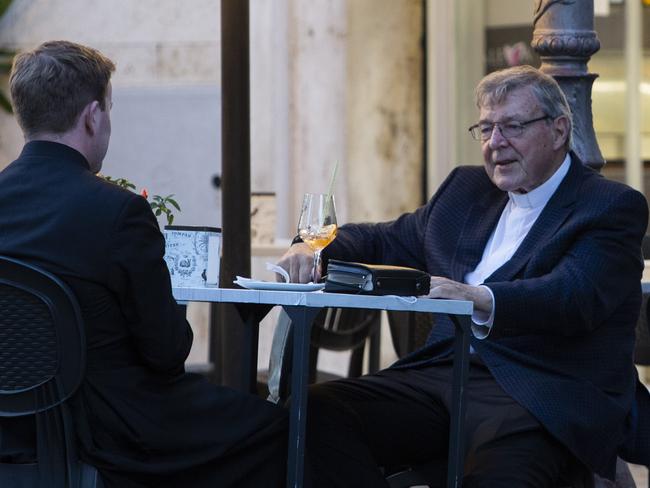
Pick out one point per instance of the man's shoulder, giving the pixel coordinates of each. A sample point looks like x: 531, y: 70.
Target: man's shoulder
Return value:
x: 108, y: 188
x: 470, y: 177
x: 475, y: 172
x: 470, y: 169
x: 597, y: 184
x: 110, y: 195
x: 598, y: 194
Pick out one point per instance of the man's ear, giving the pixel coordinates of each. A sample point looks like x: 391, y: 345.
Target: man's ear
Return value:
x: 561, y: 129
x: 90, y: 117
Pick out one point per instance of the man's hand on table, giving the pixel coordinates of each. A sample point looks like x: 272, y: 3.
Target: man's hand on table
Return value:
x: 298, y: 262
x: 446, y: 288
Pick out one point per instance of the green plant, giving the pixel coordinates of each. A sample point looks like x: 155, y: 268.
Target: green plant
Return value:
x: 121, y: 182
x: 6, y: 57
x: 159, y: 205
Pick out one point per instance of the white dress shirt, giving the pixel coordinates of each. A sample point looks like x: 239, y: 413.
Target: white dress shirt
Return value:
x: 518, y: 216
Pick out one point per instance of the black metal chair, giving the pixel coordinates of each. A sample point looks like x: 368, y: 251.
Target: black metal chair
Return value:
x: 409, y: 330
x: 334, y: 329
x: 42, y: 363
x: 340, y: 329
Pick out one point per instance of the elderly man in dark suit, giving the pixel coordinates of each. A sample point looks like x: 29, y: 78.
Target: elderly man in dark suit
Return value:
x: 550, y: 253
x: 140, y: 418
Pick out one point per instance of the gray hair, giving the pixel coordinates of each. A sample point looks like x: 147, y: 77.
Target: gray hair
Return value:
x: 494, y: 88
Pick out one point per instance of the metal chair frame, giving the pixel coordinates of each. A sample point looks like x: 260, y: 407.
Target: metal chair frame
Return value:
x: 42, y: 364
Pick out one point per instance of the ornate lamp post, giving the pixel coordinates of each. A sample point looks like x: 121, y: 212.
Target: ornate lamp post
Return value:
x: 565, y: 39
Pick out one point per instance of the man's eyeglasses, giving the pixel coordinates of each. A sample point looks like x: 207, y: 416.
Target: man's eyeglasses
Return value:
x: 483, y: 131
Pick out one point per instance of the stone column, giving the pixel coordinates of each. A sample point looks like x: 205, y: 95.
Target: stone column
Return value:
x: 384, y: 108
x: 455, y: 49
x: 633, y: 99
x: 317, y: 98
x: 565, y: 39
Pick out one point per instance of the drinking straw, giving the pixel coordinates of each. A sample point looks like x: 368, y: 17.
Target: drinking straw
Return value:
x: 330, y: 189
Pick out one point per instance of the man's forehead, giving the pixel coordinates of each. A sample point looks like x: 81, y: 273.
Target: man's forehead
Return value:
x: 513, y: 106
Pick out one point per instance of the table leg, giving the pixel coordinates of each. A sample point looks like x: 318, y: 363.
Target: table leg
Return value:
x: 251, y: 314
x: 301, y: 319
x: 374, y: 348
x: 459, y: 404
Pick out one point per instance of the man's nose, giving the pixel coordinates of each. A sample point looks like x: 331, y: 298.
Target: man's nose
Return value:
x: 496, y: 138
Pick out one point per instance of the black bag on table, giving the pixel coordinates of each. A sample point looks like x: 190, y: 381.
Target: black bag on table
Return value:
x: 375, y: 279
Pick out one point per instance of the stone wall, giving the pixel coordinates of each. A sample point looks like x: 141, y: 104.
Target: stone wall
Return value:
x: 166, y: 120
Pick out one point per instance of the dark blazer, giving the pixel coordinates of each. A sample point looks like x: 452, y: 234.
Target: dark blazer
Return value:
x: 137, y: 412
x: 566, y: 303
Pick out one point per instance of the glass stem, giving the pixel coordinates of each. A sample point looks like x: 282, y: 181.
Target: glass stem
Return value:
x: 316, y: 265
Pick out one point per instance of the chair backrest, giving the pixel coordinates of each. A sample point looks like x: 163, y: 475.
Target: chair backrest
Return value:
x: 334, y: 329
x: 42, y: 363
x: 341, y: 329
x: 42, y: 341
x: 409, y: 330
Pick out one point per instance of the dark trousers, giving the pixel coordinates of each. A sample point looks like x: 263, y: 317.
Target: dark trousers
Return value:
x: 400, y: 417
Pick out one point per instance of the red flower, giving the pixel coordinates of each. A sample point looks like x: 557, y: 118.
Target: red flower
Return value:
x: 144, y: 193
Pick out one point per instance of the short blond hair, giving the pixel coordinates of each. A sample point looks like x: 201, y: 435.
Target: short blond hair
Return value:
x: 51, y: 85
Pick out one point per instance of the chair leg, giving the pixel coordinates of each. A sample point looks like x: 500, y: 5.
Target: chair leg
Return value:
x: 374, y: 350
x: 356, y: 362
x: 313, y: 364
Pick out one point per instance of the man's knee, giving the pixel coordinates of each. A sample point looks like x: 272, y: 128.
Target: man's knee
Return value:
x: 525, y: 459
x: 324, y: 406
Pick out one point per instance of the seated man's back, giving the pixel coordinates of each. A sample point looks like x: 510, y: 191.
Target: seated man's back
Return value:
x: 139, y: 417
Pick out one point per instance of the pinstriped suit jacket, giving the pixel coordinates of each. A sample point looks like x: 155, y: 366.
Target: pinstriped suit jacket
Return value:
x: 566, y: 303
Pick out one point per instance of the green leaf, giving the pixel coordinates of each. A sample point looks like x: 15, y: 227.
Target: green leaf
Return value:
x: 121, y: 182
x: 173, y: 202
x: 158, y: 204
x: 6, y: 58
x: 4, y: 103
x: 4, y: 5
x: 5, y: 64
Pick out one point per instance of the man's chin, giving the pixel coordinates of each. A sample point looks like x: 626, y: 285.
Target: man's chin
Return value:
x: 505, y: 184
x: 503, y: 178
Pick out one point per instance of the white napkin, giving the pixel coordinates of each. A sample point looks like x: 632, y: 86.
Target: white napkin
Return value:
x: 279, y: 270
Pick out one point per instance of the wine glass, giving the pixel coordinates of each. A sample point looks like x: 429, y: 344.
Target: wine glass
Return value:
x: 317, y: 224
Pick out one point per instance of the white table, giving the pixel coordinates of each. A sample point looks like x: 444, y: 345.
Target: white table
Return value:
x: 302, y: 308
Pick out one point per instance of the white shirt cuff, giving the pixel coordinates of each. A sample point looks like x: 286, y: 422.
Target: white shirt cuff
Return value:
x: 482, y: 321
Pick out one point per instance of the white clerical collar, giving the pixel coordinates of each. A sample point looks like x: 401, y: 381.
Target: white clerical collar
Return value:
x: 543, y: 193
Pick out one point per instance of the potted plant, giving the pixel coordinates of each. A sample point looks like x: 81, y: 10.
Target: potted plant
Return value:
x: 192, y: 253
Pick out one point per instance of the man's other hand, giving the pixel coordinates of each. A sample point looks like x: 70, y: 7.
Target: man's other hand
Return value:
x: 446, y: 288
x: 298, y: 262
